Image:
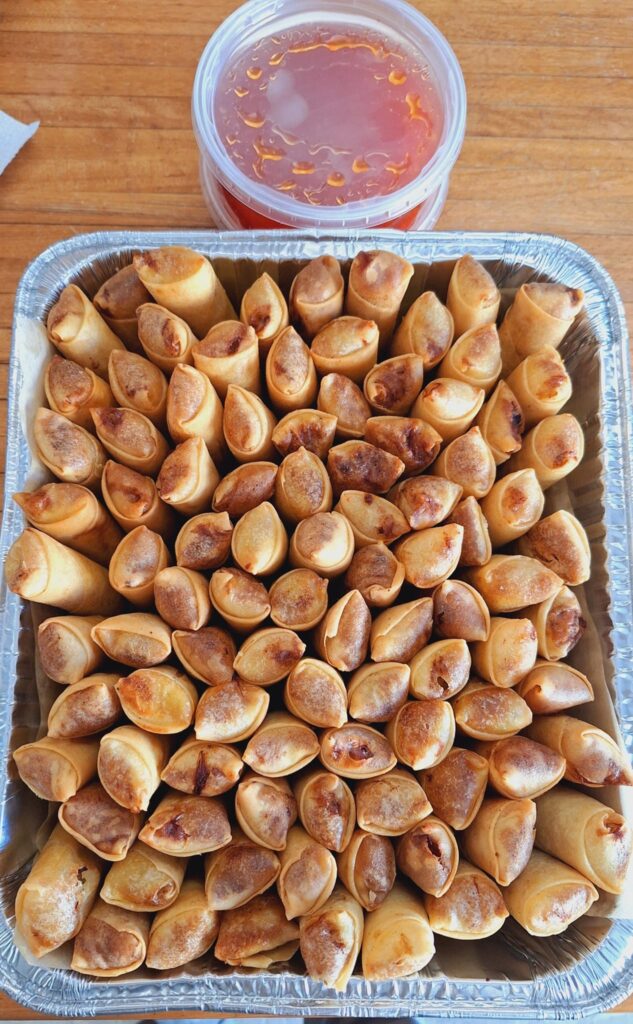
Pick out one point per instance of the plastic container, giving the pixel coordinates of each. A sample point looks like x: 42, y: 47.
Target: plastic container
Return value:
x: 236, y: 200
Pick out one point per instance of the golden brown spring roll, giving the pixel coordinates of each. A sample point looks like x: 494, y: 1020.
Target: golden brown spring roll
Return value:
x: 341, y: 397
x: 391, y: 804
x: 98, y: 822
x: 260, y: 542
x: 541, y: 385
x: 490, y: 713
x: 183, y: 825
x: 268, y: 655
x: 548, y: 896
x: 182, y: 597
x: 585, y: 834
x: 185, y: 282
x: 342, y: 636
x: 473, y: 297
x: 184, y: 931
x: 188, y: 477
x: 550, y: 688
x: 459, y: 612
x: 520, y: 768
x: 430, y: 556
x: 248, y: 425
x: 472, y: 907
x: 166, y: 339
x: 372, y: 518
x: 135, y: 565
x: 137, y: 639
x: 133, y: 500
x: 422, y: 732
x: 323, y: 542
x: 244, y: 488
x: 239, y: 598
x: 367, y: 869
x: 397, y: 634
x: 509, y: 583
x: 357, y: 465
x: 541, y: 314
x: 265, y: 810
x: 559, y: 624
x: 257, y: 934
x: 456, y: 786
x: 427, y: 329
x: 146, y: 880
x: 230, y: 712
x: 347, y: 345
x: 281, y: 746
x: 513, y: 506
x: 290, y: 373
x: 476, y: 543
x: 118, y: 299
x: 66, y: 649
x: 206, y: 654
x: 86, y: 707
x: 308, y: 874
x: 70, y: 452
x: 158, y: 700
x: 501, y: 838
x: 469, y: 462
x: 73, y: 390
x: 411, y: 440
x: 592, y: 757
x: 393, y: 385
x: 302, y: 486
x: 356, y: 751
x: 111, y: 942
x: 449, y: 406
x: 204, y: 541
x: 55, y: 898
x: 316, y: 295
x: 264, y: 309
x: 553, y: 449
x: 229, y: 354
x: 376, y: 692
x: 501, y: 423
x: 376, y: 286
x: 316, y: 693
x: 330, y: 940
x: 376, y: 574
x: 474, y: 358
x: 560, y: 542
x: 440, y: 670
x: 305, y: 428
x: 138, y: 384
x: 80, y: 332
x: 202, y: 769
x: 326, y: 808
x: 238, y: 872
x: 130, y: 762
x: 398, y: 940
x: 508, y: 654
x: 54, y: 769
x: 425, y: 500
x: 428, y: 855
x: 131, y: 439
x: 298, y: 599
x: 194, y: 409
x: 72, y: 515
x: 40, y: 569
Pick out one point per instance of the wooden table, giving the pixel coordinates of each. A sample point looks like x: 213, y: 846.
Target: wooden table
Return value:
x: 548, y: 146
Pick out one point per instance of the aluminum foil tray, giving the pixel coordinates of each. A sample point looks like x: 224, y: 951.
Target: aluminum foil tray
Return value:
x: 587, y: 969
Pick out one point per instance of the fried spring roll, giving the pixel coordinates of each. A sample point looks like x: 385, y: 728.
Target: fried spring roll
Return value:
x: 257, y: 935
x: 185, y: 282
x: 501, y: 838
x: 264, y: 309
x: 133, y: 500
x: 372, y: 518
x: 392, y: 386
x: 520, y: 768
x: 316, y: 693
x: 559, y: 624
x: 184, y: 931
x: 356, y: 751
x: 131, y: 439
x: 422, y: 732
x: 158, y: 700
x: 548, y: 896
x: 592, y: 757
x: 316, y: 295
x: 508, y: 654
x: 111, y: 942
x: 391, y: 804
x: 459, y: 612
x: 80, y: 333
x: 238, y: 872
x: 86, y: 707
x: 248, y: 425
x: 281, y: 746
x: 553, y: 449
x: 489, y: 713
x: 72, y: 515
x: 130, y: 762
x: 427, y: 329
x: 397, y: 634
x: 188, y: 477
x: 183, y: 825
x: 440, y: 670
x: 70, y: 452
x: 449, y: 406
x: 229, y: 354
x: 509, y: 583
x: 425, y: 500
x: 357, y: 465
x: 323, y: 542
x: 40, y: 569
x: 474, y: 358
x: 239, y: 598
x: 430, y: 556
x: 194, y: 409
x: 99, y: 823
x: 412, y: 441
x: 166, y: 339
x: 376, y: 287
x: 342, y: 636
x: 472, y: 908
x: 290, y: 373
x: 244, y: 488
x: 367, y: 869
x: 268, y: 655
x: 513, y: 506
x: 135, y: 565
x: 308, y: 874
x: 550, y: 688
x: 73, y: 390
x: 202, y: 769
x: 473, y: 297
x: 66, y: 649
x: 501, y: 423
x: 376, y: 692
x: 298, y: 599
x: 204, y: 541
x: 56, y: 897
x: 331, y: 938
x: 476, y: 543
x: 206, y: 654
x: 118, y: 299
x: 137, y: 639
x: 376, y: 574
x: 182, y: 597
x: 560, y: 542
x: 54, y: 769
x: 428, y: 855
x: 146, y: 880
x: 456, y: 786
x: 541, y: 385
x: 260, y: 542
x: 305, y: 428
x: 326, y: 808
x: 347, y: 345
x: 469, y: 462
x: 138, y: 384
x: 230, y: 712
x: 341, y: 397
x: 302, y: 486
x: 265, y: 810
x: 541, y: 314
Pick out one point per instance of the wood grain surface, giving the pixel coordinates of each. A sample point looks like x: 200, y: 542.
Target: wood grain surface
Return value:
x: 549, y: 144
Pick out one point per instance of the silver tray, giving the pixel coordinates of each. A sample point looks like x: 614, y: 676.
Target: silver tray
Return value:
x: 587, y: 969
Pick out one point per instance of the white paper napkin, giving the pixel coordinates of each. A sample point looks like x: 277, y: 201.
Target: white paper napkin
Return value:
x: 13, y: 135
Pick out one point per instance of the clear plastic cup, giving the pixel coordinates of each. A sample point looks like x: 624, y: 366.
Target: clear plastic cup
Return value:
x: 235, y: 200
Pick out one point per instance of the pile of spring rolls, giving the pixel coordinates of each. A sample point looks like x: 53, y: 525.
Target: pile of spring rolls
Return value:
x: 313, y: 617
